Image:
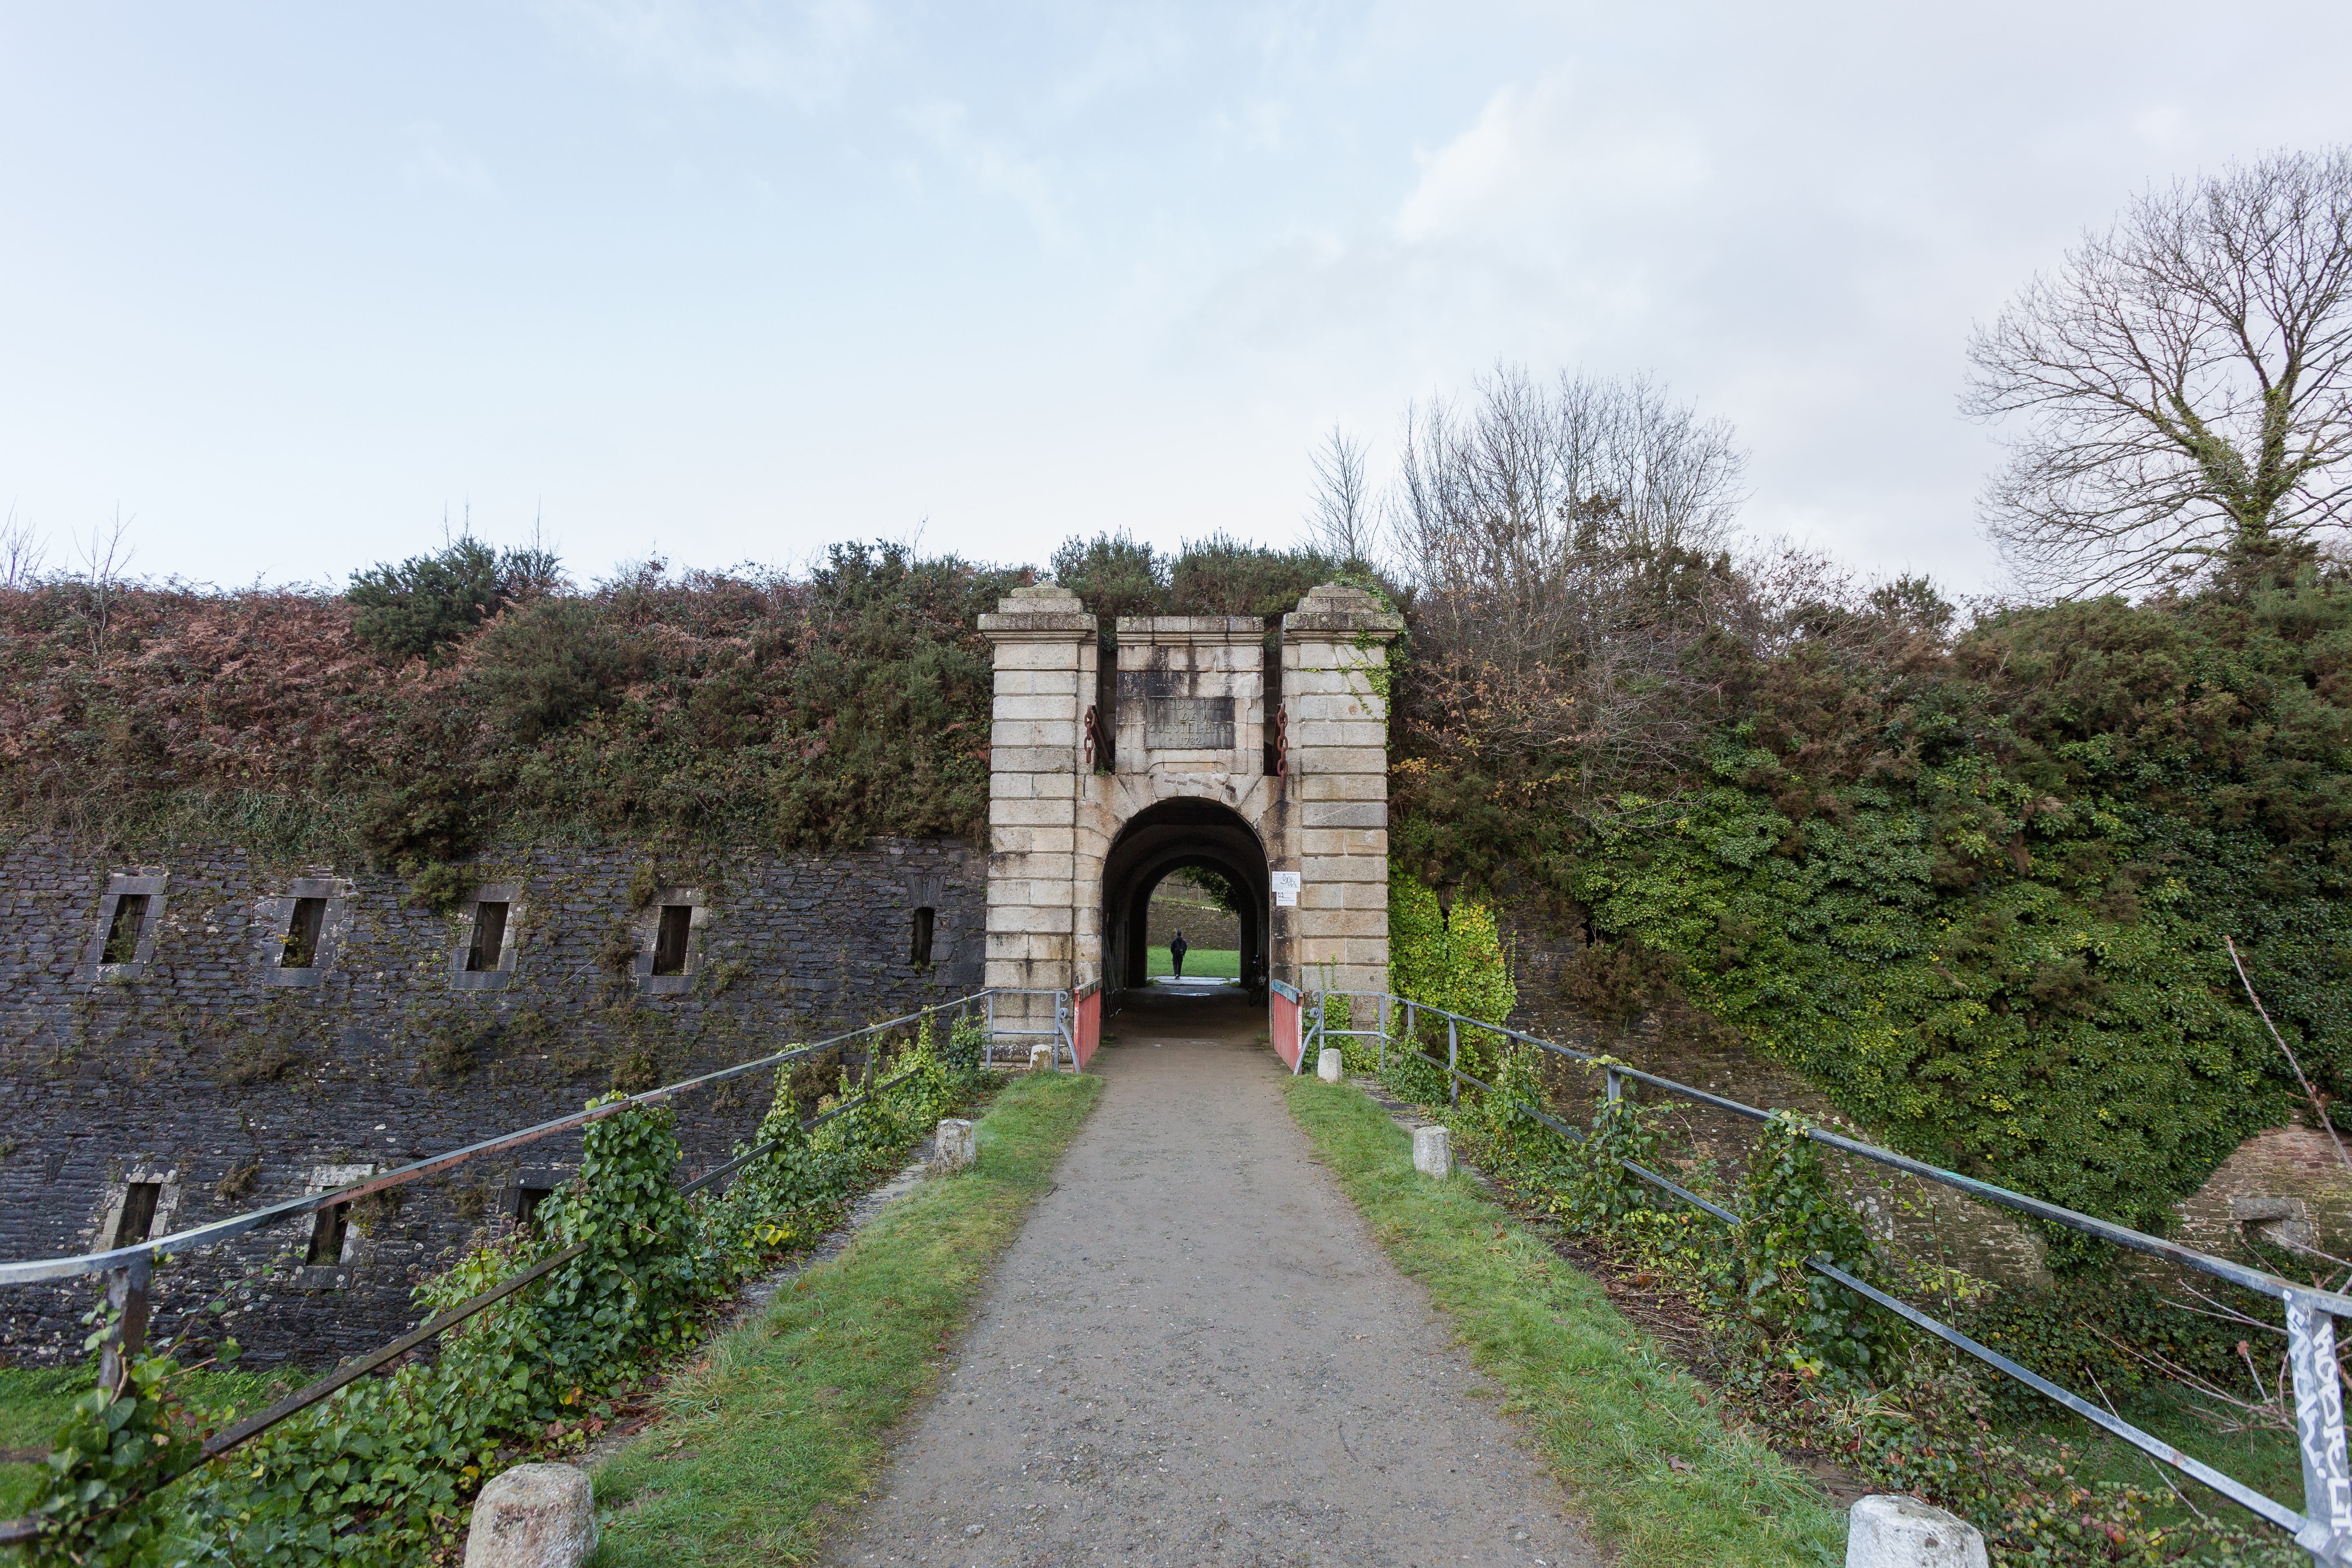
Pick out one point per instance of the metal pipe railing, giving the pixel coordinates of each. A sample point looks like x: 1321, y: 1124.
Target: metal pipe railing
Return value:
x: 132, y: 1268
x: 2324, y: 1528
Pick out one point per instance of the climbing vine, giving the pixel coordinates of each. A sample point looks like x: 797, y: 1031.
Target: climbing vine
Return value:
x: 382, y: 1472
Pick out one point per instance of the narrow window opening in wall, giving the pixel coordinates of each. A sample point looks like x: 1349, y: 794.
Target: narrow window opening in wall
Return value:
x: 302, y: 934
x: 669, y: 941
x: 921, y: 953
x: 489, y: 936
x: 526, y: 1204
x: 327, y: 1237
x: 137, y: 1213
x: 122, y: 934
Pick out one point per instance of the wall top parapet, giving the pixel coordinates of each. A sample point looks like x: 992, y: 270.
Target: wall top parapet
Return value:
x: 1336, y: 609
x: 1221, y: 628
x: 1044, y: 610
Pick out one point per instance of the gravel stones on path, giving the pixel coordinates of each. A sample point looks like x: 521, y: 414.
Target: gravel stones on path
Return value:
x: 1196, y: 1354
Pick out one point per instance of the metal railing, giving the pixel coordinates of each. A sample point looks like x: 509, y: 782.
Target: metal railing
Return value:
x: 2323, y: 1527
x: 130, y: 1269
x: 1065, y: 1045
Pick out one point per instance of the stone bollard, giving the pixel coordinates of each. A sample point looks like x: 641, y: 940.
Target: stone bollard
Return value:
x: 1330, y: 1065
x: 1904, y: 1533
x: 533, y: 1516
x: 954, y: 1149
x: 1040, y: 1059
x: 1432, y: 1151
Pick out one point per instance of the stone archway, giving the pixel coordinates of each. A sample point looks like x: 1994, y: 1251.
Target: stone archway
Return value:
x: 1218, y: 740
x: 1173, y: 835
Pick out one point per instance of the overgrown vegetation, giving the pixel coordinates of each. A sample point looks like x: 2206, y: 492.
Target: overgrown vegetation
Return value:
x: 1971, y: 878
x: 468, y: 694
x: 1973, y: 884
x: 1792, y: 1354
x: 383, y: 1470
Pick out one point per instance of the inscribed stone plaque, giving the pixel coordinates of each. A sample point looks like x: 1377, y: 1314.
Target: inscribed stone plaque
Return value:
x: 1189, y: 723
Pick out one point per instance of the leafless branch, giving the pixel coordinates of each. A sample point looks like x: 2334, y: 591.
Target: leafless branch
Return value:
x: 2319, y: 1106
x: 1341, y: 518
x: 106, y: 559
x: 22, y: 553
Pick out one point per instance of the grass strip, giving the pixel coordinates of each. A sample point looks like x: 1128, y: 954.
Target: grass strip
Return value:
x: 36, y: 1401
x: 1654, y: 1472
x: 1199, y: 964
x: 785, y: 1418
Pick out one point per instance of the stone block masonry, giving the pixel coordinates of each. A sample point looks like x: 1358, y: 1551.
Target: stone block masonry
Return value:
x: 1187, y: 749
x: 195, y: 1080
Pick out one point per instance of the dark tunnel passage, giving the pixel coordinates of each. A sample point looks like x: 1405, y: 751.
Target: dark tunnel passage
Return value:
x: 1175, y: 836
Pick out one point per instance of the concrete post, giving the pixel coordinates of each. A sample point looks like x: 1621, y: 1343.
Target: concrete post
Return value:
x: 533, y: 1516
x: 1330, y: 1065
x: 954, y: 1149
x: 1904, y: 1533
x: 1432, y: 1151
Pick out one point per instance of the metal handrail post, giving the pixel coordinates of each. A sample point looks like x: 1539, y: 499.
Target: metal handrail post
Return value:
x: 1616, y: 1085
x: 2319, y: 1432
x: 126, y: 1293
x: 988, y: 1057
x: 1452, y: 1056
x: 1064, y: 1011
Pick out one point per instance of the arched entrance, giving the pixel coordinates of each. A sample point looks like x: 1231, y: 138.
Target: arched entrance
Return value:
x: 1174, y: 835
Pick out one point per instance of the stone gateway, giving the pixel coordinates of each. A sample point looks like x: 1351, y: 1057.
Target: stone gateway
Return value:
x: 1219, y: 742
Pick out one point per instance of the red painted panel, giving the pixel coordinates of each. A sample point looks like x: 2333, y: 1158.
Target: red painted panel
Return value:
x: 1087, y: 1033
x: 1283, y: 1026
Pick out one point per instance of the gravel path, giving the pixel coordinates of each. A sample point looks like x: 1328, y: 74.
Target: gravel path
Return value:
x: 1196, y: 1354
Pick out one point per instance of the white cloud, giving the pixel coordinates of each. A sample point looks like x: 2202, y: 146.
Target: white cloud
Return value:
x: 1536, y: 153
x: 431, y: 163
x: 803, y: 53
x: 991, y: 167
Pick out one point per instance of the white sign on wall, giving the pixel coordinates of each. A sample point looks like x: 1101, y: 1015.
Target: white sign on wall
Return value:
x: 1286, y: 890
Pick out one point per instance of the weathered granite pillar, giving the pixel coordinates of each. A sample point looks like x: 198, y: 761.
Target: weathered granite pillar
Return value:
x: 1334, y: 693
x: 1040, y: 920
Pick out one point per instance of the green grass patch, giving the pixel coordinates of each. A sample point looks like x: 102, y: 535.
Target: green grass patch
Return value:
x: 34, y: 1402
x: 1632, y: 1437
x: 1202, y: 962
x: 785, y: 1418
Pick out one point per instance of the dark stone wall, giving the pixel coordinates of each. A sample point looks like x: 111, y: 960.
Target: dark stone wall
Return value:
x: 207, y: 1065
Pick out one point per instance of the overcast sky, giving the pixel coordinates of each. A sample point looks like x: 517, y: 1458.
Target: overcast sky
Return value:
x: 286, y: 284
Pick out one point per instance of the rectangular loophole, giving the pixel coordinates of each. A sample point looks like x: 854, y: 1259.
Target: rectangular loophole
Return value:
x: 122, y: 934
x: 921, y: 951
x: 489, y: 937
x: 137, y: 1213
x: 526, y: 1204
x: 669, y: 940
x: 327, y: 1236
x: 302, y: 934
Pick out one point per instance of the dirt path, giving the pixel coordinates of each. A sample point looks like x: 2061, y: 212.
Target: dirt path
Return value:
x: 1196, y: 1354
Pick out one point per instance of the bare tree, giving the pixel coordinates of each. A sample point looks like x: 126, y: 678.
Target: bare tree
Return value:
x: 1341, y: 519
x: 2185, y: 381
x: 1566, y: 540
x: 105, y: 560
x: 22, y: 554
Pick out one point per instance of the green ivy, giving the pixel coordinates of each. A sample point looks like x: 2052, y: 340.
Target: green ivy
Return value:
x: 1451, y: 960
x: 384, y: 1471
x: 1788, y: 1215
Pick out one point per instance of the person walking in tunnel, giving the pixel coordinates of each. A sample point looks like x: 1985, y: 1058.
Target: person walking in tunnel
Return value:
x: 1176, y: 946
